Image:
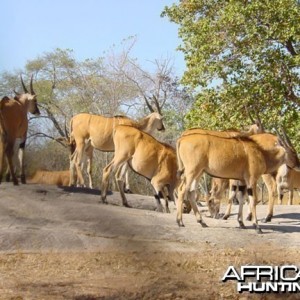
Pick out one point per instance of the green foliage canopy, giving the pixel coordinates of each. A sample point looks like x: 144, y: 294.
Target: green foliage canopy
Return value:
x: 241, y: 53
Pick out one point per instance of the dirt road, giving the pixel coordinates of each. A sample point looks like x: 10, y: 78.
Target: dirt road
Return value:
x: 61, y: 243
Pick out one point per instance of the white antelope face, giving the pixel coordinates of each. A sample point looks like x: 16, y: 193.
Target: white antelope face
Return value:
x: 291, y: 156
x: 32, y: 105
x: 157, y: 121
x: 292, y: 159
x: 30, y: 97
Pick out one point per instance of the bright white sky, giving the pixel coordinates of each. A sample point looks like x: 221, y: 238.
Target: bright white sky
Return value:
x: 89, y: 27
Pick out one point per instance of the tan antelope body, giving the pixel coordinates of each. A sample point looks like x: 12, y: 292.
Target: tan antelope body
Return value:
x: 59, y: 178
x: 14, y: 114
x: 3, y: 146
x: 146, y: 156
x: 98, y: 130
x: 219, y: 185
x: 287, y: 179
x: 237, y: 188
x: 240, y: 158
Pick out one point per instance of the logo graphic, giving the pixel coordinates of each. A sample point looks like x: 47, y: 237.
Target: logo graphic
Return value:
x: 265, y: 279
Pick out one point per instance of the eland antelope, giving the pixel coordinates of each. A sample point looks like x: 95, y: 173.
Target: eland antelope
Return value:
x: 219, y: 185
x: 241, y: 158
x: 59, y: 178
x: 3, y: 145
x: 290, y: 163
x: 147, y: 157
x: 94, y: 131
x: 14, y: 113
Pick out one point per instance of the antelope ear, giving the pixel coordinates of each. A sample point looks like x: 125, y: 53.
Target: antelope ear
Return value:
x: 17, y: 93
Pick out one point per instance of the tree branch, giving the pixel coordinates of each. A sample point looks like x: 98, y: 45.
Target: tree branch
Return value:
x: 290, y: 47
x: 42, y: 134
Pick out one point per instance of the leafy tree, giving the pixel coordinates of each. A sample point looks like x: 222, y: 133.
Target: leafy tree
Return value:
x: 242, y: 53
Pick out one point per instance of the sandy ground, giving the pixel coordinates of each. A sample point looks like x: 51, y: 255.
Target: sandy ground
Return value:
x: 61, y: 243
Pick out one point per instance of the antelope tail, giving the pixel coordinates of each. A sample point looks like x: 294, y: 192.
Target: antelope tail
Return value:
x: 72, y: 142
x: 180, y: 170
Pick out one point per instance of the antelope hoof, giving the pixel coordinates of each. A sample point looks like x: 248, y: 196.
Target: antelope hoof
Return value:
x: 104, y: 201
x: 219, y: 216
x: 159, y: 209
x: 258, y: 230
x: 249, y: 217
x: 235, y: 201
x: 168, y: 211
x: 225, y: 217
x: 242, y: 225
x: 126, y: 204
x: 267, y: 219
x: 15, y: 181
x: 23, y: 179
x: 128, y: 191
x: 7, y: 177
x: 202, y: 223
x: 180, y: 223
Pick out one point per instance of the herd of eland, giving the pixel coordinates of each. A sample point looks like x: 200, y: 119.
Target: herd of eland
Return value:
x: 234, y: 159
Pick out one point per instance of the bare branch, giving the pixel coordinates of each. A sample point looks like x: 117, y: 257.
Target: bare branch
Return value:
x: 42, y: 134
x: 249, y: 114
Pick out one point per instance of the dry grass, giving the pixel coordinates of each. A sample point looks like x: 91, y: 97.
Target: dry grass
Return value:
x: 132, y: 275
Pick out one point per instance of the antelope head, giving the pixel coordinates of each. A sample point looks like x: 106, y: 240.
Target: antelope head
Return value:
x: 291, y: 159
x: 156, y: 115
x: 29, y: 97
